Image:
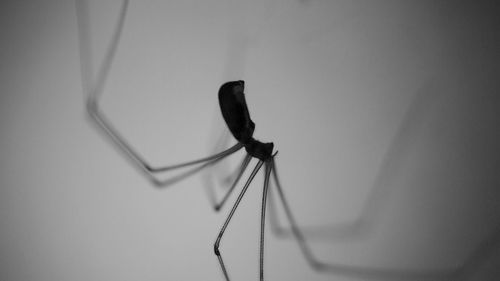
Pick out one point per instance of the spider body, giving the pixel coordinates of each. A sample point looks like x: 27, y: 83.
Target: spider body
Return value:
x: 235, y: 112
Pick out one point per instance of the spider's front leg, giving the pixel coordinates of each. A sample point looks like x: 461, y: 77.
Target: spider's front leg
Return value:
x: 228, y: 219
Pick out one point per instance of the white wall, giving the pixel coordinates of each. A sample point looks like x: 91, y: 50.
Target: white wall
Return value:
x: 359, y: 97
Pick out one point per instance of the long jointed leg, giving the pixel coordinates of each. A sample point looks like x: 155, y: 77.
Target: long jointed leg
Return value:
x: 228, y: 179
x: 263, y: 218
x: 127, y: 149
x: 297, y: 233
x: 187, y: 173
x: 93, y: 90
x: 228, y: 219
x: 242, y: 169
x: 109, y: 129
x: 220, y: 172
x: 356, y: 271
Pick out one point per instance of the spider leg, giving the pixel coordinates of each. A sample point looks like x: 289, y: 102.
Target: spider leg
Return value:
x: 142, y: 164
x: 227, y: 180
x: 276, y: 226
x: 263, y: 218
x: 94, y: 90
x: 228, y: 219
x: 359, y: 271
x: 108, y: 128
x: 295, y: 229
x: 213, y: 177
x: 220, y: 171
x: 186, y: 174
x: 244, y: 165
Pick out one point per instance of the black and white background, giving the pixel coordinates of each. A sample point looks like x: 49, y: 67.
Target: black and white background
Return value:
x: 399, y: 96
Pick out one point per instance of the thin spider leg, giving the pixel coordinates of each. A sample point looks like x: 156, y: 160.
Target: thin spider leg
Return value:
x: 311, y: 232
x: 212, y: 175
x: 230, y: 178
x: 188, y: 173
x: 242, y: 169
x: 86, y: 66
x: 228, y: 219
x: 91, y: 90
x: 355, y: 271
x: 94, y: 91
x: 276, y: 227
x: 221, y: 170
x: 263, y: 219
x: 120, y: 141
x: 297, y: 233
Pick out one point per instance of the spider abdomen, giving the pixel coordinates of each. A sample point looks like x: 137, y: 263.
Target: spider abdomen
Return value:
x: 235, y: 112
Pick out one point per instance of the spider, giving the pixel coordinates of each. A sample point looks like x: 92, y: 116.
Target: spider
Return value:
x: 237, y: 117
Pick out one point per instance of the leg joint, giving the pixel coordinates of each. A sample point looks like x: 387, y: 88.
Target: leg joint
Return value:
x: 216, y: 248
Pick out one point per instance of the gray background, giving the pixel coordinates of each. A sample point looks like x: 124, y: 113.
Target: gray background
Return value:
x: 400, y: 96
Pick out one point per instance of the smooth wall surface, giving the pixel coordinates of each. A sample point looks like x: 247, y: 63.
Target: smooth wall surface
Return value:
x: 386, y: 111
